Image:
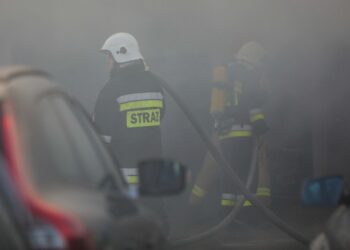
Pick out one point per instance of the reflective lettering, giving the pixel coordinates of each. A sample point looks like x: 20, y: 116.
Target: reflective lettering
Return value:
x: 133, y: 118
x: 143, y: 118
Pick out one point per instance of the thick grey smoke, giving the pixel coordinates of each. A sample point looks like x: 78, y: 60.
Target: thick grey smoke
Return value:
x: 64, y: 36
x: 182, y: 41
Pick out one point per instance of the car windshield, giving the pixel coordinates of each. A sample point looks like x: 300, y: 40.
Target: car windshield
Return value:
x: 267, y: 81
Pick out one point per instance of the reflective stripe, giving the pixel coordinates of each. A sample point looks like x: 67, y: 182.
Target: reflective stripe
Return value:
x: 140, y: 97
x: 226, y: 203
x: 106, y: 138
x: 238, y: 131
x: 141, y: 104
x: 197, y: 191
x: 228, y: 196
x: 228, y: 199
x: 263, y: 191
x: 143, y: 118
x: 130, y: 175
x: 237, y: 92
x: 240, y: 127
x: 129, y: 171
x: 238, y: 88
x: 247, y: 204
x: 257, y: 117
x: 236, y: 134
x: 256, y: 114
x: 231, y: 203
x: 132, y: 179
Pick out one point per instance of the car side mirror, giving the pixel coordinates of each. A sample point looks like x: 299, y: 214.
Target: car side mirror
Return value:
x: 326, y: 191
x: 161, y: 177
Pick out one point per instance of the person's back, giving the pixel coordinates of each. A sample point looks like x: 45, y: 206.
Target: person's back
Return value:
x: 130, y: 108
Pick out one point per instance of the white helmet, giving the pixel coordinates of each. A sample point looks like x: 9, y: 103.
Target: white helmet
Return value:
x: 123, y: 47
x: 251, y: 53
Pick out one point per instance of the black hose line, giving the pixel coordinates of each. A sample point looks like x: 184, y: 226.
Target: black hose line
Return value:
x: 231, y: 216
x: 239, y: 184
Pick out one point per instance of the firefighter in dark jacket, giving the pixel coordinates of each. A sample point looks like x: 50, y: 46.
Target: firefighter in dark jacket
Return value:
x: 242, y: 120
x: 130, y: 107
x: 129, y: 111
x: 236, y: 107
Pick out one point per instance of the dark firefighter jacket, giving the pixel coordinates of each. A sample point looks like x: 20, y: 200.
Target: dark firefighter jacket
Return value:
x: 243, y: 115
x: 128, y: 113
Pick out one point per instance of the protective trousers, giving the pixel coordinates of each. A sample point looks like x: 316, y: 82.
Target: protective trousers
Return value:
x: 238, y: 153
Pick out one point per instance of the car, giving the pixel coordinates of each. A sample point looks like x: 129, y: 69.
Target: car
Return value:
x: 68, y: 184
x: 13, y: 215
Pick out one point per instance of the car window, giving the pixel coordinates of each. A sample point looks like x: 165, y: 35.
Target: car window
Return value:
x: 73, y: 153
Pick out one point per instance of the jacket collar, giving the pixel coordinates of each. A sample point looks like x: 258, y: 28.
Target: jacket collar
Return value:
x: 128, y: 69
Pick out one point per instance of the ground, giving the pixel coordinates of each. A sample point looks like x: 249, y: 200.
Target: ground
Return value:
x: 257, y: 233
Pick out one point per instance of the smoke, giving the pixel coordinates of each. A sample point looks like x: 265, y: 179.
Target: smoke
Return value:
x: 182, y: 41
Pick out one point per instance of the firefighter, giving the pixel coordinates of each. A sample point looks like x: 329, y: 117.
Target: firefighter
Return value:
x: 130, y: 107
x: 237, y: 100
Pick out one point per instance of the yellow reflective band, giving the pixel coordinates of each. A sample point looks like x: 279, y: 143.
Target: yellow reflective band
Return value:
x: 257, y: 117
x: 263, y: 192
x: 238, y: 88
x: 242, y: 133
x: 231, y: 203
x: 247, y: 204
x: 237, y: 92
x: 197, y: 191
x: 141, y: 104
x: 143, y: 118
x: 264, y: 189
x: 226, y: 203
x: 132, y: 179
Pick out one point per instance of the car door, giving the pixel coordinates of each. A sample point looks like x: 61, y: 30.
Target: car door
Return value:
x: 14, y: 218
x: 70, y: 167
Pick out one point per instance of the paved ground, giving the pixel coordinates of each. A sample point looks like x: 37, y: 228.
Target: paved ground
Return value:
x: 255, y: 232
